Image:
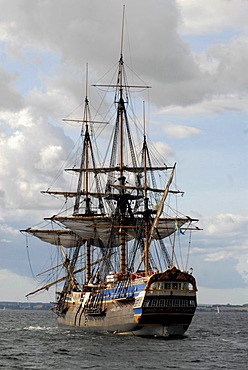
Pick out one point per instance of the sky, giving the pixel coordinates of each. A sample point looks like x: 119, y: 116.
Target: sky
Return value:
x: 194, y: 54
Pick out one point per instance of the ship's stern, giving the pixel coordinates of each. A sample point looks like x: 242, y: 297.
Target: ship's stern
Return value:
x: 167, y: 304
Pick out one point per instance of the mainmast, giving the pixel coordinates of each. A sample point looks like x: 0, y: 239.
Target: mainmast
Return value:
x: 146, y: 207
x: 121, y: 108
x: 122, y: 135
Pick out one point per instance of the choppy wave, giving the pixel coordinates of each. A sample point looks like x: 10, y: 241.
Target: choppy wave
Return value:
x: 37, y: 328
x: 32, y: 340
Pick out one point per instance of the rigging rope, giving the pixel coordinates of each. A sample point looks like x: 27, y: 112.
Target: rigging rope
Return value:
x: 187, y: 260
x: 29, y: 260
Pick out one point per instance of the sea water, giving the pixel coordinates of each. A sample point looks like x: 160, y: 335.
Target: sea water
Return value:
x: 32, y: 340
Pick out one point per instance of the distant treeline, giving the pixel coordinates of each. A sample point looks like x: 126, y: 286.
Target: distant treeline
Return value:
x: 222, y: 308
x: 25, y: 306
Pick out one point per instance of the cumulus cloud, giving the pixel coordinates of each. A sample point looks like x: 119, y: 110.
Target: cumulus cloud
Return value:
x: 212, y: 16
x: 28, y: 157
x: 163, y: 150
x: 8, y: 231
x: 220, y: 252
x: 227, y: 225
x: 73, y: 32
x: 216, y: 104
x: 242, y: 264
x: 180, y: 131
x: 180, y: 76
x: 10, y: 99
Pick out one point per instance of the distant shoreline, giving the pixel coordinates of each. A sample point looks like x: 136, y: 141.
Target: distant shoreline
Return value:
x: 218, y: 308
x: 4, y: 305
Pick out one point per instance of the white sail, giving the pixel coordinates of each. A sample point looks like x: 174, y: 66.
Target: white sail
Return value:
x: 65, y: 238
x: 103, y: 232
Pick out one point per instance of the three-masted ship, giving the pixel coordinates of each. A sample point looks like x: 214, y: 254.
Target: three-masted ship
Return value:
x: 119, y: 241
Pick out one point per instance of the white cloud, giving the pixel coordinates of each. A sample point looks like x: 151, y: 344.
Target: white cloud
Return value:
x: 219, y: 254
x: 49, y: 157
x: 214, y: 105
x: 210, y: 17
x: 242, y: 265
x: 21, y: 118
x: 180, y: 131
x: 9, y: 97
x: 163, y: 150
x: 227, y: 225
x: 16, y: 287
x: 7, y: 229
x: 28, y: 157
x: 73, y: 33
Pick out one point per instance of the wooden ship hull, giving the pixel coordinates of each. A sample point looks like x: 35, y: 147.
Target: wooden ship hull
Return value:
x: 161, y: 305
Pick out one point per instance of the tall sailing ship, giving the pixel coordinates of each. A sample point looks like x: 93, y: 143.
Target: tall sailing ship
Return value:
x: 119, y: 241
